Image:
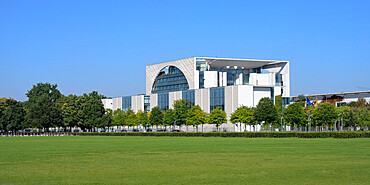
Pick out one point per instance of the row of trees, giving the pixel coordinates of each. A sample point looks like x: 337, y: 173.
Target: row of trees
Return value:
x: 181, y: 114
x: 47, y: 108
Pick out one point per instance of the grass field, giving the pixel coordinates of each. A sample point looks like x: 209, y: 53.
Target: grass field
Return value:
x: 183, y: 160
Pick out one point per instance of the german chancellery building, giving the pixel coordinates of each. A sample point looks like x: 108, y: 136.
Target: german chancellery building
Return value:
x: 226, y: 83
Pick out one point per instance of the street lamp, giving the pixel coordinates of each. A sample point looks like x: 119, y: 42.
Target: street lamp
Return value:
x: 340, y: 126
x: 281, y: 122
x: 309, y: 121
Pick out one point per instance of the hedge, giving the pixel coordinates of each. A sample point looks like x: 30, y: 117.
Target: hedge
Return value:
x: 346, y: 134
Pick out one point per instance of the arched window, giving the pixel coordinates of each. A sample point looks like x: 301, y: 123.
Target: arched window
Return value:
x: 170, y: 79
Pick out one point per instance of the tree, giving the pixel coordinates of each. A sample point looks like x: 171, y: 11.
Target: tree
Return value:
x: 142, y: 118
x: 345, y: 113
x: 131, y: 118
x: 217, y: 117
x: 156, y: 116
x: 91, y: 114
x: 363, y: 119
x: 242, y: 114
x: 294, y: 114
x: 40, y: 89
x: 119, y: 118
x: 325, y: 114
x: 93, y: 95
x: 12, y: 115
x: 266, y: 111
x: 180, y: 109
x: 196, y: 116
x: 169, y: 117
x: 69, y: 109
x: 107, y: 119
x: 44, y: 113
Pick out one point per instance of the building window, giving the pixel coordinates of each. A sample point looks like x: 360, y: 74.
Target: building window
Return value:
x: 341, y: 104
x: 170, y: 79
x: 163, y: 101
x: 146, y: 103
x: 245, y: 79
x: 272, y: 94
x: 189, y: 97
x: 278, y: 79
x: 217, y: 98
x: 126, y: 103
x: 201, y: 64
x: 201, y: 80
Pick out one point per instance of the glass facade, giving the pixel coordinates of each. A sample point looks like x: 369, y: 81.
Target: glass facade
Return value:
x: 217, y: 98
x: 272, y: 92
x: 245, y: 79
x: 189, y: 97
x: 201, y: 80
x: 163, y: 101
x: 279, y: 79
x: 170, y: 79
x: 146, y: 103
x: 126, y: 103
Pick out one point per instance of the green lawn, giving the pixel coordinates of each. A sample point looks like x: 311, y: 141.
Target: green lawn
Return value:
x: 183, y: 160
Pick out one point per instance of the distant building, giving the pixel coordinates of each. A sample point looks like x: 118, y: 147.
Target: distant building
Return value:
x: 226, y: 83
x: 338, y: 99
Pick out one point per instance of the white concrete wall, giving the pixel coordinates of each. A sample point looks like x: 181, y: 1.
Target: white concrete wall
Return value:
x: 117, y: 103
x: 266, y: 79
x: 137, y: 103
x: 153, y: 100
x: 210, y: 79
x: 245, y: 95
x: 187, y: 66
x: 172, y: 96
x: 108, y: 103
x: 231, y: 100
x: 202, y: 99
x: 260, y: 92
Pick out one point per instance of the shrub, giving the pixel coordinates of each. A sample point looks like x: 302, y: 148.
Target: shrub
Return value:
x: 357, y: 134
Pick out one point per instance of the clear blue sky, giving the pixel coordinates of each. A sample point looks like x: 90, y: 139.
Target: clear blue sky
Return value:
x: 105, y: 45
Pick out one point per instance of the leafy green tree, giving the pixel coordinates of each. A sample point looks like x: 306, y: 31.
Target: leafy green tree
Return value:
x: 180, y: 109
x: 119, y: 118
x: 217, y: 117
x: 266, y: 111
x: 142, y: 117
x: 44, y: 113
x: 325, y: 114
x: 13, y: 115
x: 242, y: 114
x: 3, y: 123
x: 93, y: 95
x: 295, y: 115
x: 156, y: 116
x: 196, y: 116
x: 69, y: 106
x: 51, y: 90
x: 107, y: 119
x: 345, y: 113
x: 363, y: 119
x: 91, y: 114
x: 279, y: 104
x: 352, y: 117
x: 169, y: 117
x: 132, y: 119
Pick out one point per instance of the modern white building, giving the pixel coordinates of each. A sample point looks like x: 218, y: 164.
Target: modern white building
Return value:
x: 226, y: 83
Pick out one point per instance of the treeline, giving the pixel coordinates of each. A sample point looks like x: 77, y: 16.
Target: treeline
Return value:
x: 46, y: 109
x: 322, y: 118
